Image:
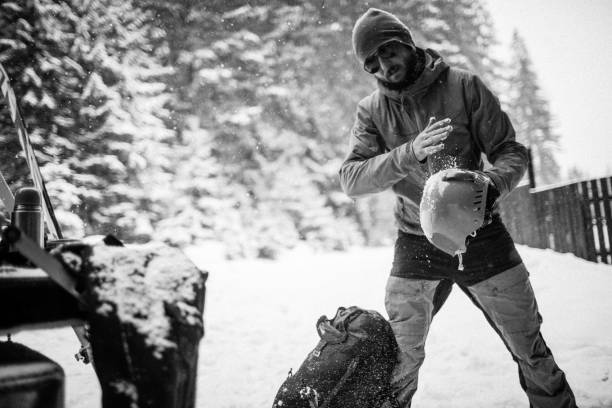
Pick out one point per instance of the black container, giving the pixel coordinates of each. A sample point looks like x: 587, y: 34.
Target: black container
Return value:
x: 27, y: 214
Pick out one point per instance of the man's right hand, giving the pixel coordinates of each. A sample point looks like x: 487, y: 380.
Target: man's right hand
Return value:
x: 429, y: 141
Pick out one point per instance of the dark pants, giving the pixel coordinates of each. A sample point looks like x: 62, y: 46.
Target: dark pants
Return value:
x: 509, y: 305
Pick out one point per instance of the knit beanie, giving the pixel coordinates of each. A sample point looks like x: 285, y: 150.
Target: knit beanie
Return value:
x: 375, y: 28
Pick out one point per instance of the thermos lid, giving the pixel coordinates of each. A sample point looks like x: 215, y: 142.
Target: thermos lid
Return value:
x: 27, y: 196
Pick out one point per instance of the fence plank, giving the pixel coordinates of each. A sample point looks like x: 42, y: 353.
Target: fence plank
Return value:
x: 515, y: 210
x: 545, y: 218
x: 559, y: 220
x: 588, y: 220
x: 597, y: 218
x: 539, y: 241
x: 522, y: 208
x: 553, y: 220
x: 564, y: 227
x: 606, y: 203
x: 578, y: 230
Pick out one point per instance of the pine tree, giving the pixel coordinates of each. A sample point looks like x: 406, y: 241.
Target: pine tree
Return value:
x: 85, y: 69
x: 21, y: 50
x: 273, y: 87
x: 461, y: 30
x: 33, y: 52
x: 238, y: 117
x: 530, y: 114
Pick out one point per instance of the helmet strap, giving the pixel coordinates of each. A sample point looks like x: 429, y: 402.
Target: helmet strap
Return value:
x: 460, y: 256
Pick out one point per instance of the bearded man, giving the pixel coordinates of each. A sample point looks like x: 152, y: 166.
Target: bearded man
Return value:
x: 425, y: 117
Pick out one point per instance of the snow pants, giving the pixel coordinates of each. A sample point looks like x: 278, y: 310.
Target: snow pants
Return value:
x: 509, y: 305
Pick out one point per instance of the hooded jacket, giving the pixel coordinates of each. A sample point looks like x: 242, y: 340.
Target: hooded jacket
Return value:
x: 380, y: 149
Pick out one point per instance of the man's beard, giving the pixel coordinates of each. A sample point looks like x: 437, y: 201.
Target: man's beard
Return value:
x: 414, y: 70
x: 398, y: 86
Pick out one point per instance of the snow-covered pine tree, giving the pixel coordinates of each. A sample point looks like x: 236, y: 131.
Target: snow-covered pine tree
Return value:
x: 460, y: 30
x: 251, y: 165
x: 113, y: 126
x: 81, y: 71
x: 20, y: 54
x: 32, y: 49
x: 205, y: 196
x: 530, y: 114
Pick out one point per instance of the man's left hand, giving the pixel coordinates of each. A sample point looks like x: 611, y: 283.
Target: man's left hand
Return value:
x: 492, y: 196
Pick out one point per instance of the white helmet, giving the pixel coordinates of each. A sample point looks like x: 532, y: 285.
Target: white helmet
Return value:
x: 453, y: 208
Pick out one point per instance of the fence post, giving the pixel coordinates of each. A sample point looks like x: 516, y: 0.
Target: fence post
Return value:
x: 530, y: 171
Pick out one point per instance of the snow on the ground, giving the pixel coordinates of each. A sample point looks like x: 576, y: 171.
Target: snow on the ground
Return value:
x: 260, y: 322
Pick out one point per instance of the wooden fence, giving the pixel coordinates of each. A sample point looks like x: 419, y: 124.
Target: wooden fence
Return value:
x: 574, y: 218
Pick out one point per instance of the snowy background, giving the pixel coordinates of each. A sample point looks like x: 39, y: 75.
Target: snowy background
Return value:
x: 226, y: 121
x: 260, y: 322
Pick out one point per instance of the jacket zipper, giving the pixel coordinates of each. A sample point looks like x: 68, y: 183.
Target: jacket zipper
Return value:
x: 406, y: 102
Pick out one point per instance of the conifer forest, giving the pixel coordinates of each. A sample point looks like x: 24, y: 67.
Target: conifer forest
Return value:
x: 225, y: 121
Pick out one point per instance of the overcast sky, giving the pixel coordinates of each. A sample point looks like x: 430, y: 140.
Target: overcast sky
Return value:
x: 570, y: 44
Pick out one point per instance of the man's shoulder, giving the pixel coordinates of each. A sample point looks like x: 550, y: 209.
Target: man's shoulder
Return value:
x: 373, y: 97
x: 370, y: 102
x: 460, y: 75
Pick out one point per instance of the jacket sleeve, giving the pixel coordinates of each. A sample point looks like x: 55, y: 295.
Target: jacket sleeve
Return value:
x: 369, y: 168
x: 495, y: 136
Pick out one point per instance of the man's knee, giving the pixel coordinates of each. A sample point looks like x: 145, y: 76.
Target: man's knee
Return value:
x: 406, y: 297
x: 531, y: 351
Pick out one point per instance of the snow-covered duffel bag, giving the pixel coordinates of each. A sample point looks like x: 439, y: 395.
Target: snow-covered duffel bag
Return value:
x: 349, y: 368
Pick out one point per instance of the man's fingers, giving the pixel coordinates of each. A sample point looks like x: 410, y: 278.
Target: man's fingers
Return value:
x: 439, y: 131
x: 434, y: 137
x: 428, y: 141
x: 435, y: 125
x: 438, y: 138
x: 434, y: 149
x: 431, y: 120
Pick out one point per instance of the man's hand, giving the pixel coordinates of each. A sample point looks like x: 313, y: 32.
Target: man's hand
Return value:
x: 429, y: 140
x: 470, y: 176
x: 492, y: 196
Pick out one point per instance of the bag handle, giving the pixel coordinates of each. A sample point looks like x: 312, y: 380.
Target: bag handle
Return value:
x: 332, y: 334
x: 329, y: 333
x: 352, y: 315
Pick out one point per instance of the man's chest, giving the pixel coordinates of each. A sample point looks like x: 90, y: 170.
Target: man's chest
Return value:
x: 400, y: 122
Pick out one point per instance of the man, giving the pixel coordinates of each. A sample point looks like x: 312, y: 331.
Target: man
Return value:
x: 424, y: 117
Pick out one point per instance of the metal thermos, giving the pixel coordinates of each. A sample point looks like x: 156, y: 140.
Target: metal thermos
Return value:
x: 27, y: 214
